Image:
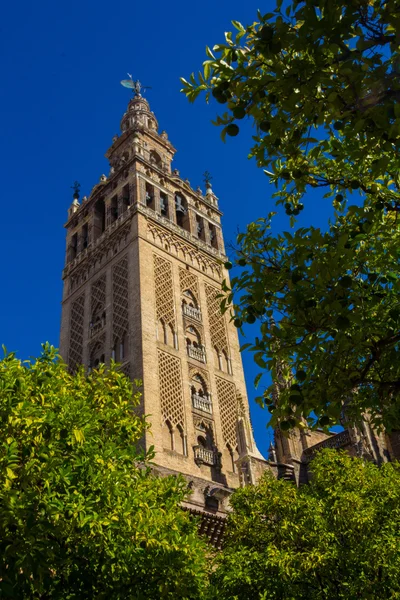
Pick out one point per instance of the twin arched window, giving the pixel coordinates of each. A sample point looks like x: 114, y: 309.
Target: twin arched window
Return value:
x: 174, y: 438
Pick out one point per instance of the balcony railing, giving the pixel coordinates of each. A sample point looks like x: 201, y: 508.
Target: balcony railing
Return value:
x: 196, y: 353
x: 191, y: 311
x: 202, y: 403
x: 96, y: 327
x: 205, y: 456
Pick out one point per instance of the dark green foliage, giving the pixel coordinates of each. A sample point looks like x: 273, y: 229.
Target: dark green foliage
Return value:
x: 319, y: 82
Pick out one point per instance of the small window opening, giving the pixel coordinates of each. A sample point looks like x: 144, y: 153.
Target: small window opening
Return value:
x: 181, y: 448
x: 168, y: 436
x: 126, y: 199
x: 164, y: 204
x: 114, y: 209
x: 150, y: 196
x: 213, y: 236
x: 181, y: 212
x: 200, y: 228
x: 73, y: 247
x: 155, y: 158
x: 85, y: 236
x: 122, y: 349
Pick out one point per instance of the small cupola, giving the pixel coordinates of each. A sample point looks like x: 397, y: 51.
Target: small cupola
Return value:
x: 138, y: 114
x: 210, y: 196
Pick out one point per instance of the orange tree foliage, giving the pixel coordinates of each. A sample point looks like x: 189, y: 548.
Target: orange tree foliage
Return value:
x: 336, y: 538
x: 81, y: 516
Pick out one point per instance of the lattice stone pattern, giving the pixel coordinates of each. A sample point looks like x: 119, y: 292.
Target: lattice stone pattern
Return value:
x: 98, y: 295
x: 216, y: 320
x: 75, y: 356
x: 188, y: 281
x: 226, y: 393
x: 164, y: 291
x: 171, y: 392
x: 120, y: 299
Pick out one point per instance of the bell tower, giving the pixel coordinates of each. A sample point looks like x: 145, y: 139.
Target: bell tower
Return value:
x: 144, y: 266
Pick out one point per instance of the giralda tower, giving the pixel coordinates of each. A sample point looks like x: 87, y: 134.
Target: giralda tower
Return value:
x: 144, y: 266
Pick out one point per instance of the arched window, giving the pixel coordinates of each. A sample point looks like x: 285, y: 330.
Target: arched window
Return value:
x: 217, y: 358
x: 198, y: 385
x: 193, y: 336
x: 162, y: 335
x: 233, y: 455
x: 201, y: 440
x: 168, y: 436
x: 181, y: 441
x: 99, y: 219
x: 201, y: 399
x: 155, y: 159
x: 173, y: 336
x: 226, y: 363
x: 194, y: 345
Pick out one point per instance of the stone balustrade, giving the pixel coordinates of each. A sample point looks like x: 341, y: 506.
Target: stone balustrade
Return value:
x: 205, y: 456
x: 96, y: 327
x: 196, y: 353
x: 202, y: 403
x: 191, y: 311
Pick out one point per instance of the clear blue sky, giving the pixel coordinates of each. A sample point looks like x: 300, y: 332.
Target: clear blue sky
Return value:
x: 61, y: 103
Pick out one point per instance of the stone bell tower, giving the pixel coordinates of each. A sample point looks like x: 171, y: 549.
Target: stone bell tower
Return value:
x: 144, y: 267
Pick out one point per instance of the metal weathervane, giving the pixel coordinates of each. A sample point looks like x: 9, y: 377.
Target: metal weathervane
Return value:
x: 207, y: 178
x: 136, y: 86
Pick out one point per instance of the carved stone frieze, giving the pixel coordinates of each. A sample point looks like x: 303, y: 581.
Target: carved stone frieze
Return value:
x: 168, y: 241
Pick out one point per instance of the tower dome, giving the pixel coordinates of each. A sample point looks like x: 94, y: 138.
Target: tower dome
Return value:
x: 138, y: 115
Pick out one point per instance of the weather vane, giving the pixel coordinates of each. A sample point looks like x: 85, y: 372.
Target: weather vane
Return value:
x: 136, y: 86
x: 207, y: 178
x: 76, y: 187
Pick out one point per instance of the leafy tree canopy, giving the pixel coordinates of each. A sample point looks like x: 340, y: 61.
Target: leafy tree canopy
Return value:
x: 320, y: 83
x: 329, y: 312
x: 335, y: 538
x: 320, y: 80
x: 81, y: 516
